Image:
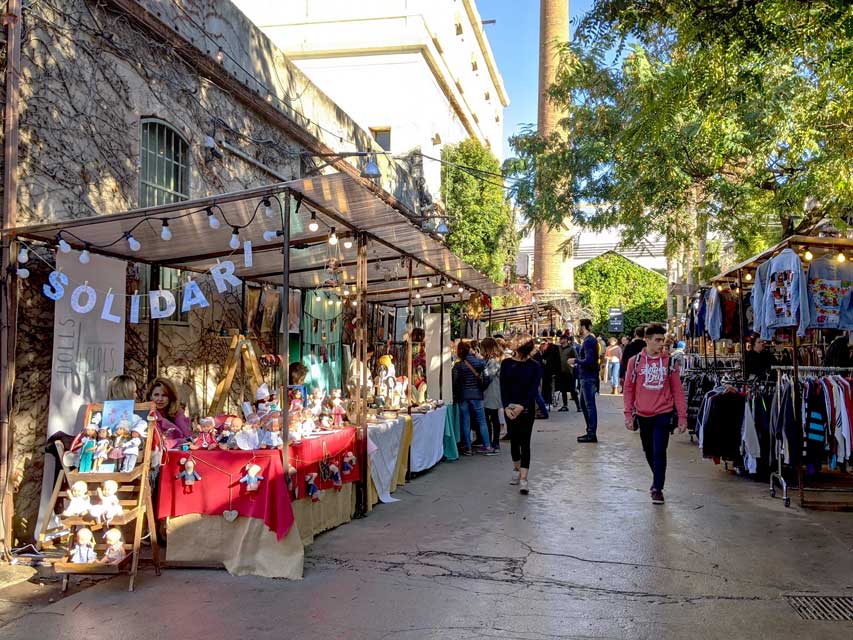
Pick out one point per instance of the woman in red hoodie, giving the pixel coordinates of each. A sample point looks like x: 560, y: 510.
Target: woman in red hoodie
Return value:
x: 653, y: 398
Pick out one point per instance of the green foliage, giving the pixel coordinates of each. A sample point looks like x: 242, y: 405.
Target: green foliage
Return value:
x: 482, y: 229
x: 737, y: 114
x: 611, y: 280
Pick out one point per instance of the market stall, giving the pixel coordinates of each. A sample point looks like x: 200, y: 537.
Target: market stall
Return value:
x: 316, y: 236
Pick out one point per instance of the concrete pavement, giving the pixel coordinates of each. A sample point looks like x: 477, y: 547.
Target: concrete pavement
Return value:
x: 464, y: 555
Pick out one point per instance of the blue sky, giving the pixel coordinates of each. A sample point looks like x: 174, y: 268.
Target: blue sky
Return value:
x: 515, y: 42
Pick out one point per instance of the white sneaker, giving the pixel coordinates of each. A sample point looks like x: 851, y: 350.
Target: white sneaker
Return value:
x: 515, y: 477
x: 523, y: 489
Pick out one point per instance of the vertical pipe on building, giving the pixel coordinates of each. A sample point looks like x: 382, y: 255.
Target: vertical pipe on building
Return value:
x: 285, y: 323
x: 8, y: 312
x: 153, y: 327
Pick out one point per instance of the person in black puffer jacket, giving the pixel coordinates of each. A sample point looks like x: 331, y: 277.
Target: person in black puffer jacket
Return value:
x: 468, y: 397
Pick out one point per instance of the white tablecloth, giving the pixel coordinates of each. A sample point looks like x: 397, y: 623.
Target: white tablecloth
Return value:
x: 385, y: 438
x: 427, y: 439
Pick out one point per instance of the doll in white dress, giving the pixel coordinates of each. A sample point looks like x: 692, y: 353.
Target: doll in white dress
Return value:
x: 79, y: 503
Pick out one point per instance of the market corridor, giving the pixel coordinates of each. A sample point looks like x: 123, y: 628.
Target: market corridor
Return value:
x: 463, y: 555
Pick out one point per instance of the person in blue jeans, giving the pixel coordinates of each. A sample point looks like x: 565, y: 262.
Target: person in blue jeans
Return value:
x: 468, y: 397
x: 588, y: 372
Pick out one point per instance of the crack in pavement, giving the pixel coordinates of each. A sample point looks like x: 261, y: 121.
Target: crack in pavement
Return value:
x: 446, y: 565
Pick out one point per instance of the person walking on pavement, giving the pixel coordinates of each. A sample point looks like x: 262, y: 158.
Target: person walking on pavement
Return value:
x: 493, y: 355
x: 520, y: 378
x: 468, y: 395
x: 634, y: 347
x: 654, y: 403
x: 587, y: 365
x: 613, y: 356
x: 566, y: 382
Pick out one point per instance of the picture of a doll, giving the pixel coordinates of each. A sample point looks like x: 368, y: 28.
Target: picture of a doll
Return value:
x: 110, y: 505
x: 114, y: 553
x: 87, y: 449
x: 83, y: 552
x: 79, y: 502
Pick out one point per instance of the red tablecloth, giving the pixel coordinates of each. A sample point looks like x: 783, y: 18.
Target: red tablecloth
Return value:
x: 220, y: 489
x: 307, y: 455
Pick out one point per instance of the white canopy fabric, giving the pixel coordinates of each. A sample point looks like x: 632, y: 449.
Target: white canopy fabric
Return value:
x: 336, y: 200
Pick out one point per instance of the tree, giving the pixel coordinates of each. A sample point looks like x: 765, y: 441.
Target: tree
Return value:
x: 611, y: 280
x: 732, y: 117
x: 482, y: 228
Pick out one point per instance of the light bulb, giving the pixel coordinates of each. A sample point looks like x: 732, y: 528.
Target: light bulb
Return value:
x: 809, y: 256
x: 347, y: 244
x: 841, y: 257
x: 269, y: 236
x: 64, y: 247
x: 333, y: 237
x: 748, y: 277
x: 269, y: 97
x: 338, y: 302
x: 313, y: 225
x: 719, y: 287
x: 317, y: 297
x: 418, y: 295
x: 355, y: 303
x: 346, y: 291
x: 220, y: 55
x: 84, y: 256
x: 429, y: 284
x: 166, y: 232
x: 23, y: 273
x: 133, y: 243
x: 23, y: 255
x: 461, y: 289
x: 212, y: 220
x: 269, y: 212
x: 234, y: 242
x: 449, y: 284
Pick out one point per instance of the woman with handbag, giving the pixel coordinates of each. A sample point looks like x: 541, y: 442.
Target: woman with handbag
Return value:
x: 520, y: 378
x: 468, y: 385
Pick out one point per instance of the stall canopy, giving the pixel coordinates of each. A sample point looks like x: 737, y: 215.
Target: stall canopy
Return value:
x: 335, y: 202
x: 540, y: 314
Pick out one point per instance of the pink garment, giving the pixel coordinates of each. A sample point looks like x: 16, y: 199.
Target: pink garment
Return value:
x: 175, y: 431
x: 654, y: 389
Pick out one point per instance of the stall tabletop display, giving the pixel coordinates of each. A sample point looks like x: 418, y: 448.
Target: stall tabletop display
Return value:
x: 100, y: 496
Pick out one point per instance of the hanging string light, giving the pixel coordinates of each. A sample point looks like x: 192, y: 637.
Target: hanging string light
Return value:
x: 333, y: 237
x: 449, y: 284
x: 461, y: 289
x: 269, y: 236
x: 418, y: 295
x: 317, y: 297
x: 212, y: 220
x: 84, y: 256
x: 348, y: 243
x: 840, y: 257
x: 748, y: 277
x: 23, y: 255
x: 64, y: 247
x: 809, y: 256
x: 269, y: 212
x: 220, y: 55
x: 22, y: 272
x: 313, y: 226
x: 429, y: 284
x: 234, y: 242
x: 132, y: 242
x: 166, y: 232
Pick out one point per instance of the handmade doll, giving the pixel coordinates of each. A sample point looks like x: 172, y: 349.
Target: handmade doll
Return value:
x: 121, y: 433
x: 272, y: 436
x: 102, y: 447
x: 79, y: 502
x: 189, y: 475
x: 83, y: 552
x: 262, y: 397
x: 296, y: 403
x: 247, y: 438
x: 87, y: 449
x: 225, y: 436
x: 206, y: 438
x: 313, y: 489
x: 114, y: 553
x: 131, y: 448
x: 317, y: 402
x: 252, y: 480
x: 335, y: 474
x: 348, y: 463
x: 110, y: 505
x: 338, y: 410
x: 292, y: 485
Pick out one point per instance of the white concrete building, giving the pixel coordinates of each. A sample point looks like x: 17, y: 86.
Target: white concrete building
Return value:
x: 419, y: 74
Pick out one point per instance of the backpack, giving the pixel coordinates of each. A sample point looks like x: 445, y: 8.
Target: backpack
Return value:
x: 669, y: 367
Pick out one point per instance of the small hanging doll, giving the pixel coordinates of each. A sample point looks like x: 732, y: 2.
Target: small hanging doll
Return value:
x: 131, y: 447
x: 122, y: 433
x: 189, y: 475
x: 79, y: 503
x: 313, y: 489
x: 206, y: 438
x: 292, y: 485
x: 335, y: 475
x: 338, y: 411
x: 114, y: 553
x: 252, y: 480
x: 87, y: 449
x: 348, y: 463
x: 102, y: 447
x: 83, y: 552
x: 110, y: 505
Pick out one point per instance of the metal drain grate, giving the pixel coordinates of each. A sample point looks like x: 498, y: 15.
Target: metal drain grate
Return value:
x: 838, y: 608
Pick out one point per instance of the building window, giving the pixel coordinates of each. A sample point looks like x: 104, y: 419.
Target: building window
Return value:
x: 164, y: 177
x: 382, y: 135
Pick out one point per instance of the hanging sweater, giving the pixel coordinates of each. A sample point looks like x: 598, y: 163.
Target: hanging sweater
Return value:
x: 786, y: 296
x: 714, y: 322
x: 652, y: 389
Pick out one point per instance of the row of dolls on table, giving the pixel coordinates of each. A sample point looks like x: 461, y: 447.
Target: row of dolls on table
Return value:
x: 120, y: 446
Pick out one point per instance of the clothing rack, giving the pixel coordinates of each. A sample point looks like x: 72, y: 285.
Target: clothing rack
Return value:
x: 777, y: 475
